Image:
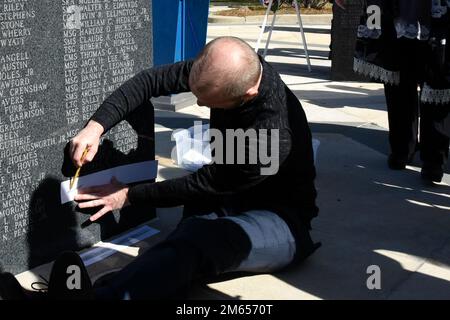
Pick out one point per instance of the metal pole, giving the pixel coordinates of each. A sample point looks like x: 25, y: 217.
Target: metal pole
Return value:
x: 305, y: 45
x: 263, y: 27
x: 270, y: 34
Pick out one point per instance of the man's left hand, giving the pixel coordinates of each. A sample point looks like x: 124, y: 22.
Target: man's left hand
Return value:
x: 111, y: 196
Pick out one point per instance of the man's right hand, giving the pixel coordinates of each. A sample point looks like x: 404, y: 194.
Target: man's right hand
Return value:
x: 88, y: 137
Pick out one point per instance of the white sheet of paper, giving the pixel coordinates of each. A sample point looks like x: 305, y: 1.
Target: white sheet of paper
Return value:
x: 129, y: 173
x: 103, y: 250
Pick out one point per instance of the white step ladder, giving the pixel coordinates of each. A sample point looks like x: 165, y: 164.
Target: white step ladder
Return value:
x: 263, y: 28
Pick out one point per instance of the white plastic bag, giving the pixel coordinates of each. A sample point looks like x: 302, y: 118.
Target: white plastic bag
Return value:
x: 193, y: 151
x: 192, y: 147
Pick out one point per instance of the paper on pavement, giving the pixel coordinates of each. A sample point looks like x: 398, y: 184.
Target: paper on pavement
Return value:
x: 130, y: 173
x: 103, y: 250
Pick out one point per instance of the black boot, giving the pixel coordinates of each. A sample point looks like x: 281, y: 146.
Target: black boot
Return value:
x: 10, y: 288
x: 396, y: 162
x: 432, y: 173
x: 69, y: 279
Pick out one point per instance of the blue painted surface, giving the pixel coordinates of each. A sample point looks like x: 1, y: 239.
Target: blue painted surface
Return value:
x: 164, y: 30
x: 196, y: 25
x: 179, y: 29
x: 179, y: 46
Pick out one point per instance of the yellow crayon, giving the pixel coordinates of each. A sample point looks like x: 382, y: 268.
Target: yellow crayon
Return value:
x: 77, y: 173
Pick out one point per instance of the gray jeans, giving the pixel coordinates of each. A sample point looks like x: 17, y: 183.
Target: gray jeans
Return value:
x: 255, y: 241
x: 273, y: 245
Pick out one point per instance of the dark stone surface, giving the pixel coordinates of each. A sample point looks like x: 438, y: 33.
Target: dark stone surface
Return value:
x: 59, y: 59
x: 343, y: 35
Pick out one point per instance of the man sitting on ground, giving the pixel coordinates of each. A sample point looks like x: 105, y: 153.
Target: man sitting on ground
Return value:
x: 237, y: 216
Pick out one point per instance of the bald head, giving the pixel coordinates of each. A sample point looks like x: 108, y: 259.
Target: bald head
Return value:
x: 227, y: 68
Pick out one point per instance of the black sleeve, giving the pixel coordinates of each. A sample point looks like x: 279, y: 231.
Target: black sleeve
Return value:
x: 154, y: 82
x: 210, y: 182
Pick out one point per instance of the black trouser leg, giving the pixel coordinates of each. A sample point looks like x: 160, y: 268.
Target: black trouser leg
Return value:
x: 433, y: 143
x: 403, y: 111
x: 198, y: 247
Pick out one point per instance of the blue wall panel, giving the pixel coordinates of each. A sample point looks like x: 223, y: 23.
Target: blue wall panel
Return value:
x: 179, y: 29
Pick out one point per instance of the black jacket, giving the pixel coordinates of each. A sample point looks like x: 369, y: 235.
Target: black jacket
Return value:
x: 232, y: 188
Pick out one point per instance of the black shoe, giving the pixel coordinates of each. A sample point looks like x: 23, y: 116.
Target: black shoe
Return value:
x: 396, y: 163
x: 432, y: 174
x: 10, y: 288
x: 69, y: 279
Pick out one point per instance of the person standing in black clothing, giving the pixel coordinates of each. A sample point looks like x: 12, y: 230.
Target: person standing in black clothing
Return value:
x: 238, y: 216
x: 407, y: 51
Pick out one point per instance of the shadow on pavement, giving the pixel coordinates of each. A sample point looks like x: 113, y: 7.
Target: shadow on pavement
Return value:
x: 297, y: 53
x: 371, y: 215
x: 301, y: 70
x: 305, y: 29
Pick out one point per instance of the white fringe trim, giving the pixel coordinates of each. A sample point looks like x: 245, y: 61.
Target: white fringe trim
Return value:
x: 411, y: 31
x: 438, y: 10
x: 435, y: 96
x: 376, y: 72
x: 365, y: 32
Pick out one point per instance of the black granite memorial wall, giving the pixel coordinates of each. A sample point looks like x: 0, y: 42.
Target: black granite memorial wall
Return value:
x: 59, y: 59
